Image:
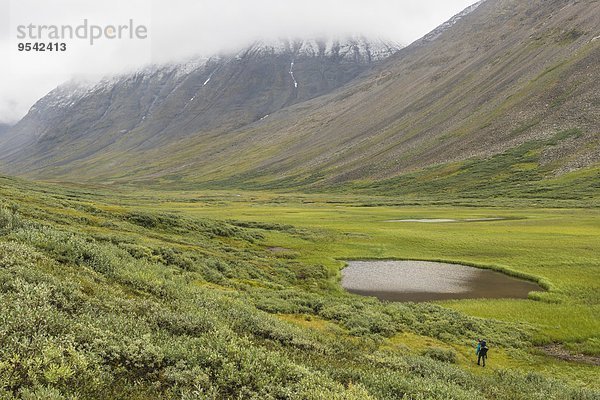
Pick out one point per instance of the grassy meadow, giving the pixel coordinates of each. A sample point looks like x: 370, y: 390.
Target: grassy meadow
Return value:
x: 557, y: 248
x: 111, y: 293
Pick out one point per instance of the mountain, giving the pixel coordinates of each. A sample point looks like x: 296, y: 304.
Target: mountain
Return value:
x: 4, y: 128
x: 162, y: 104
x: 506, y: 94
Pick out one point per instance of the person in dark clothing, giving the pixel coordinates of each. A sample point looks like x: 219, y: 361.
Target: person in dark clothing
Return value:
x: 482, y: 352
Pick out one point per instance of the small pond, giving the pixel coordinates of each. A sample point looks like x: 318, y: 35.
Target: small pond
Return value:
x: 443, y: 220
x: 427, y: 281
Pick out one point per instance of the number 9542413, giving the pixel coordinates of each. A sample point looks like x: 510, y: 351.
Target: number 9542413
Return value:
x: 42, y: 46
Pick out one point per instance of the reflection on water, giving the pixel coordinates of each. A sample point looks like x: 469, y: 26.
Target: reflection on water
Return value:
x: 424, y: 281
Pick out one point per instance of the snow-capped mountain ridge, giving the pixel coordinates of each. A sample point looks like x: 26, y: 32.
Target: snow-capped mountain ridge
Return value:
x: 167, y: 102
x: 353, y: 49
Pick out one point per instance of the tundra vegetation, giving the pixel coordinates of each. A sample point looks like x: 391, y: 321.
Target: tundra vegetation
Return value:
x: 110, y: 293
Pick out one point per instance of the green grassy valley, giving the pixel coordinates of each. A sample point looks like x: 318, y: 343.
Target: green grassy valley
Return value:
x: 208, y: 295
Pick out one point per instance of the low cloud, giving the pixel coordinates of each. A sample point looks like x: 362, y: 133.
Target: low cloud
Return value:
x: 180, y: 29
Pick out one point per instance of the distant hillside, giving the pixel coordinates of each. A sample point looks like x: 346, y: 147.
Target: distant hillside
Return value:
x: 506, y: 92
x: 163, y: 104
x: 4, y: 128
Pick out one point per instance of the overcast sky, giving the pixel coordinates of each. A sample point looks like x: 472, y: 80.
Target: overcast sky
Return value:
x: 179, y: 29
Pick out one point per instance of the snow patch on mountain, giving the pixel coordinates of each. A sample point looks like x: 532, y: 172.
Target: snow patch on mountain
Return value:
x: 353, y: 49
x: 433, y: 35
x: 292, y: 74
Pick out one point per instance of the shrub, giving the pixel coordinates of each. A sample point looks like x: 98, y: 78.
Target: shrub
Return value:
x: 439, y: 354
x: 9, y: 218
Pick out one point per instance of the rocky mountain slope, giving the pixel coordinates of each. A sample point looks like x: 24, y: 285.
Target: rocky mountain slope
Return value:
x: 502, y: 75
x: 162, y: 104
x: 4, y: 128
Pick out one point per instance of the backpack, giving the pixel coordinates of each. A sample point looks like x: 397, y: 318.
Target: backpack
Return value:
x: 483, y: 351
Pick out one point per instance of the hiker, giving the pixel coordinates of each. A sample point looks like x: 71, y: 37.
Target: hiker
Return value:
x: 482, y: 350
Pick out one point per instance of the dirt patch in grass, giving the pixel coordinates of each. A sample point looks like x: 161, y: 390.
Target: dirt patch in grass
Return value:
x: 558, y: 351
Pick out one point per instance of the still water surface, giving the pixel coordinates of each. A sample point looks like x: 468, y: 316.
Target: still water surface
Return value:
x: 425, y: 281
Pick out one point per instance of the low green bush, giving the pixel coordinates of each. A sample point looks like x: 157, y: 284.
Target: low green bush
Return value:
x: 439, y: 354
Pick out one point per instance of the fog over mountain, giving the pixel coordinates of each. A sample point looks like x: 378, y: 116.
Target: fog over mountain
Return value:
x: 184, y: 28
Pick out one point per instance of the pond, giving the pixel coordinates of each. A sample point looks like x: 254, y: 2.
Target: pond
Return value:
x: 442, y: 220
x: 426, y: 281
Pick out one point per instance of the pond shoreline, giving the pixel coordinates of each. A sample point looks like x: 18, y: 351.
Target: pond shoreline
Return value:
x: 426, y: 280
